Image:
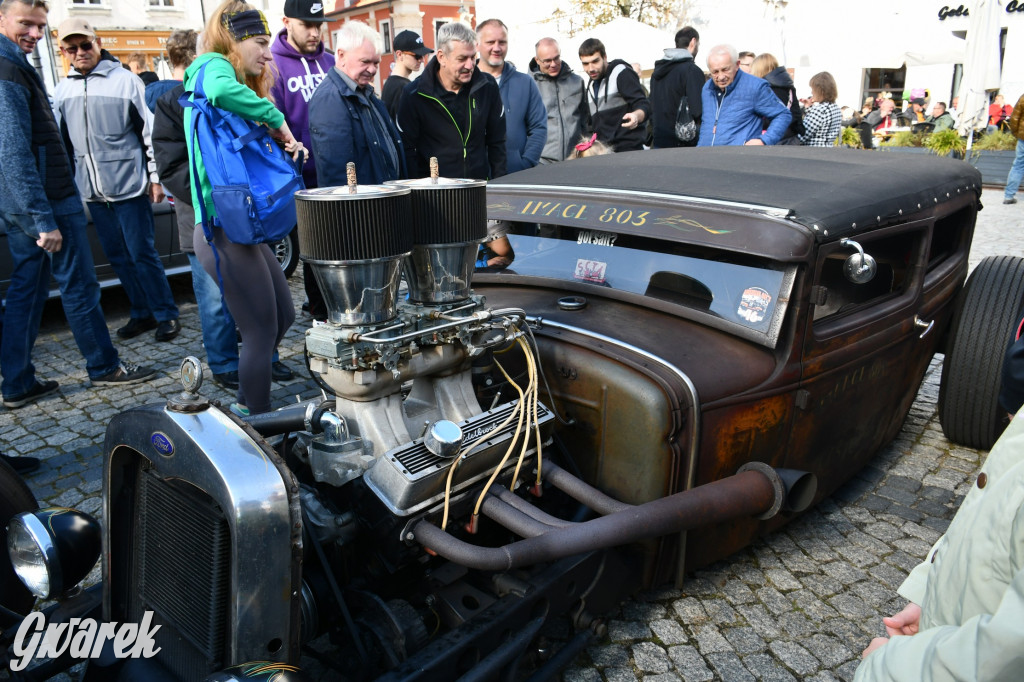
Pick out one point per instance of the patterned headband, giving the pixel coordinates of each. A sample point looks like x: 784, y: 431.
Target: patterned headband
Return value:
x: 246, y: 24
x: 584, y: 146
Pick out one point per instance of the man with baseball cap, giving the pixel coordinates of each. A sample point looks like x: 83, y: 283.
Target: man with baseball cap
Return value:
x: 302, y: 63
x: 409, y: 52
x: 41, y: 214
x: 101, y: 109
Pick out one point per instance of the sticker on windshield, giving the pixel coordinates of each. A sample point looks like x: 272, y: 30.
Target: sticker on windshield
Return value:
x: 754, y: 304
x: 590, y: 270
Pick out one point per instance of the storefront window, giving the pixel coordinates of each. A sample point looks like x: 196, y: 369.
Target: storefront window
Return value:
x: 879, y: 81
x: 161, y: 3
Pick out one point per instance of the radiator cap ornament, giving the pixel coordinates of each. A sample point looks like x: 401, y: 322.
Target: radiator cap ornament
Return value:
x: 189, y: 400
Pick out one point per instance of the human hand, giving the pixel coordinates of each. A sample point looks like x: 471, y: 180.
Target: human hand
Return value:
x: 499, y: 262
x: 631, y: 120
x: 906, y: 622
x: 876, y: 643
x: 295, y: 148
x: 755, y: 141
x: 50, y: 241
x: 156, y: 192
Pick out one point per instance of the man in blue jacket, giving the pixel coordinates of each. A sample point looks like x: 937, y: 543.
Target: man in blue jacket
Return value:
x: 348, y: 122
x: 41, y: 213
x: 734, y: 104
x: 526, y: 119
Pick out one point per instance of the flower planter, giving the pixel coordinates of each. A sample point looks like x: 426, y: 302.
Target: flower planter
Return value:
x: 994, y: 165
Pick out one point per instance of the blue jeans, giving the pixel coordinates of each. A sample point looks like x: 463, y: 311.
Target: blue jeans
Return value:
x: 74, y: 271
x: 1016, y: 172
x: 218, y: 327
x: 125, y: 229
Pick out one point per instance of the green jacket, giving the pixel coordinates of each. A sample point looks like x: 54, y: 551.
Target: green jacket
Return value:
x: 970, y: 587
x: 223, y: 90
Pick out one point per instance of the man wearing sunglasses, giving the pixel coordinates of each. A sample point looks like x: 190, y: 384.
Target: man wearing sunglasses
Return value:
x: 101, y: 109
x: 409, y: 54
x: 41, y: 214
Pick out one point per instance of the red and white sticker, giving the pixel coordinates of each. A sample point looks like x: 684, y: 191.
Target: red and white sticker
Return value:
x: 590, y: 270
x: 754, y: 304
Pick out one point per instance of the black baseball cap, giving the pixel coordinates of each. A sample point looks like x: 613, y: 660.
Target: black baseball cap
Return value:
x: 305, y: 10
x: 410, y: 41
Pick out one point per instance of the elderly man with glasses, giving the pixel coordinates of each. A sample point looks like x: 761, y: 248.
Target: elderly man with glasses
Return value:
x: 565, y: 97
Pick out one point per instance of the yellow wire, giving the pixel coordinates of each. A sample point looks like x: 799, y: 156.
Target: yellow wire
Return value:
x: 481, y: 439
x: 531, y: 395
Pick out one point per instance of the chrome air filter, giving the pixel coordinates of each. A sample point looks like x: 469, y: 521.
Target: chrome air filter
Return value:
x: 356, y: 238
x: 449, y: 220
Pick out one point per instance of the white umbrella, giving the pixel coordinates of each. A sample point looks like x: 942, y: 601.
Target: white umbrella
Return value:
x: 981, y: 68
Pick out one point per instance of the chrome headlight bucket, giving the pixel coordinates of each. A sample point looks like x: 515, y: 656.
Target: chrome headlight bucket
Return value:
x: 52, y: 550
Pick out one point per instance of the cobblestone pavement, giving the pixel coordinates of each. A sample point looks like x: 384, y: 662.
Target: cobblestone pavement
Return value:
x: 799, y: 605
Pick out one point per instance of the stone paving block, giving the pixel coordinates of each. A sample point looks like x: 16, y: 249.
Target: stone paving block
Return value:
x: 903, y: 483
x: 887, y: 575
x: 710, y: 639
x: 858, y: 556
x: 767, y: 669
x: 719, y: 612
x: 664, y: 677
x: 689, y: 664
x: 812, y: 607
x: 745, y: 640
x: 798, y: 562
x: 822, y: 676
x: 872, y: 593
x: 650, y: 658
x: 797, y: 625
x: 737, y: 592
x: 821, y: 585
x: 905, y: 561
x: 645, y: 611
x: 581, y: 675
x: 848, y: 670
x: 669, y: 632
x: 874, y: 502
x: 795, y: 657
x: 619, y: 675
x: 730, y: 668
x: 689, y: 611
x: 628, y: 631
x: 886, y: 532
x: 829, y: 650
x: 844, y: 572
x: 905, y: 513
x: 608, y: 655
x: 760, y: 620
x: 774, y: 600
x: 850, y: 606
x: 913, y: 546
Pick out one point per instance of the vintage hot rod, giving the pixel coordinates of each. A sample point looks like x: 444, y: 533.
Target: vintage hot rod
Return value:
x: 689, y: 347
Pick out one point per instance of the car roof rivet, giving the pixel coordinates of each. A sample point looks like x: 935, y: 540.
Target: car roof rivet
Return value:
x: 815, y: 227
x: 878, y: 218
x: 825, y: 233
x: 901, y: 211
x: 854, y: 226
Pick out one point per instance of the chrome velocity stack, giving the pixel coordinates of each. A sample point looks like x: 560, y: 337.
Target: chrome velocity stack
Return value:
x: 356, y: 237
x: 449, y: 221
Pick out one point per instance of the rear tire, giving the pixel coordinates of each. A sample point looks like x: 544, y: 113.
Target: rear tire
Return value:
x: 287, y: 252
x: 984, y: 317
x: 15, y: 497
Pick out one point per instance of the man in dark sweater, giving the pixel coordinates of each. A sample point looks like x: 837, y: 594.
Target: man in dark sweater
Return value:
x: 618, y: 104
x: 675, y: 78
x: 409, y: 54
x: 454, y: 112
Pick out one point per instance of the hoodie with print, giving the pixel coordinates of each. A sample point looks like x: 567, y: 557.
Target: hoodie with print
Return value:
x: 298, y: 75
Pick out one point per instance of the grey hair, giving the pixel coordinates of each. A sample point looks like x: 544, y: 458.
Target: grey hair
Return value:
x: 734, y: 56
x: 5, y: 5
x: 454, y: 32
x: 546, y: 41
x: 354, y: 33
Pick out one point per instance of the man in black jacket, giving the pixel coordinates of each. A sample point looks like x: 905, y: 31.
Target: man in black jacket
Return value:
x: 618, y: 103
x: 675, y: 78
x: 454, y: 112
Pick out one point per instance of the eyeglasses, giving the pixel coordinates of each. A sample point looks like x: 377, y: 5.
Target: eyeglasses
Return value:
x: 73, y: 49
x: 553, y: 60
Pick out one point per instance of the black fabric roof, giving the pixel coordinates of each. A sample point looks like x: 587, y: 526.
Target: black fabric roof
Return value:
x: 839, y: 190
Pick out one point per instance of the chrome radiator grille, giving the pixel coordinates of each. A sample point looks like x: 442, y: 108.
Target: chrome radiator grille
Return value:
x: 180, y: 570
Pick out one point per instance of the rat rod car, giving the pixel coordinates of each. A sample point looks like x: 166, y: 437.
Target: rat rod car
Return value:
x: 689, y: 347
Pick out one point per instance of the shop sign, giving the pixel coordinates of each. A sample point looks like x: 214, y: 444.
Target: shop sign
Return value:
x: 961, y: 11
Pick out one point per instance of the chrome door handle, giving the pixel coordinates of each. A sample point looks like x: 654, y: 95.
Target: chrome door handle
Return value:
x: 925, y: 326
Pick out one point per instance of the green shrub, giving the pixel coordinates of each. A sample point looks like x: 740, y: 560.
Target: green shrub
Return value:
x: 998, y: 141
x: 850, y: 137
x: 946, y: 142
x: 905, y: 138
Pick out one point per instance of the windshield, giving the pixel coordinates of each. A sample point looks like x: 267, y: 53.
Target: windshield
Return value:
x: 748, y: 299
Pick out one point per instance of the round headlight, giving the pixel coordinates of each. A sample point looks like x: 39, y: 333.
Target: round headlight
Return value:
x: 32, y: 553
x: 52, y: 550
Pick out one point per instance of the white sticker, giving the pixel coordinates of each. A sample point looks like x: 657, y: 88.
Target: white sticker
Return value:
x: 754, y: 304
x: 590, y: 270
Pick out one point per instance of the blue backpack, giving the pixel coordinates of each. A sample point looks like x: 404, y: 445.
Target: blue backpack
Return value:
x: 253, y: 180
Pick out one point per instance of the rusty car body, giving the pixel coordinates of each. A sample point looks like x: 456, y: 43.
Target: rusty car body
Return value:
x: 700, y: 342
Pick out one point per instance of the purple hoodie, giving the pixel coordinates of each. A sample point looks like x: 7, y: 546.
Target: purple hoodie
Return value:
x: 297, y: 77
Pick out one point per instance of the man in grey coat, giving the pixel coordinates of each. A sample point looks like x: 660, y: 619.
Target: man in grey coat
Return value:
x: 565, y: 97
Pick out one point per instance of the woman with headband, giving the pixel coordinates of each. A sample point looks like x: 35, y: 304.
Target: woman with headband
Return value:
x: 237, y: 79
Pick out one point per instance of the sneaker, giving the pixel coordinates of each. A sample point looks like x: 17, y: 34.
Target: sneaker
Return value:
x: 167, y: 330
x: 228, y: 380
x: 21, y: 465
x: 136, y: 326
x: 126, y: 373
x: 1011, y: 200
x: 37, y: 391
x: 239, y: 410
x: 281, y: 372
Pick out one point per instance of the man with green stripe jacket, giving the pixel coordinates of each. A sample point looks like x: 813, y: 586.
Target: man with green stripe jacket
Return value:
x: 454, y: 112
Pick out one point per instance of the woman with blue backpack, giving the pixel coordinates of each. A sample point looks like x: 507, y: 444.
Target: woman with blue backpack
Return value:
x: 231, y: 80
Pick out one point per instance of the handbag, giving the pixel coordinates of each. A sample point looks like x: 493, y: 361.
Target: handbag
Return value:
x: 686, y: 127
x: 252, y: 179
